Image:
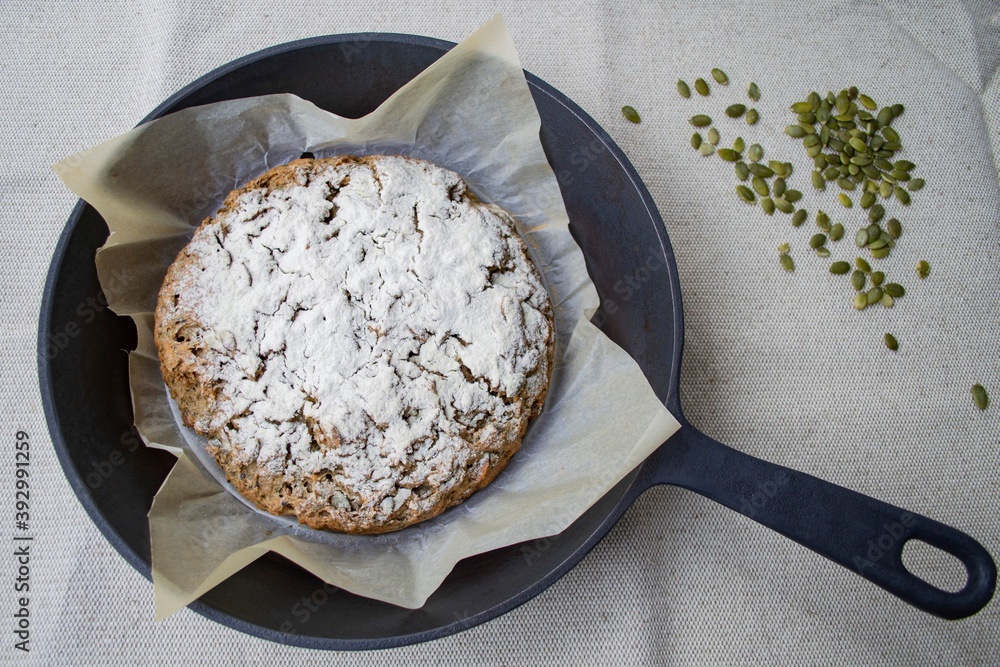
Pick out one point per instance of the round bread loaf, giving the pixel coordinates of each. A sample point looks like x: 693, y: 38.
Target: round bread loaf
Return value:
x: 361, y: 340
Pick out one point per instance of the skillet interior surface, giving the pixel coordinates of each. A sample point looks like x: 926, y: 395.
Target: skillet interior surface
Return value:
x: 84, y: 381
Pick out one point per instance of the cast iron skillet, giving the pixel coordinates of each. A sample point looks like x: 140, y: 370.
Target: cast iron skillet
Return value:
x: 84, y: 383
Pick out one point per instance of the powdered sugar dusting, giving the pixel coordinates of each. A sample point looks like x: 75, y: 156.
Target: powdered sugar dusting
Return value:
x: 369, y: 324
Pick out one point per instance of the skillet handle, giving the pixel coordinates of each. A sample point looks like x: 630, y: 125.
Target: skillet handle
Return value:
x: 854, y: 530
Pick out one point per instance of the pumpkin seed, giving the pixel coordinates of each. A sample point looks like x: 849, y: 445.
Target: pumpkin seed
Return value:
x: 631, y: 114
x: 891, y: 342
x: 795, y: 131
x: 742, y: 172
x: 861, y: 238
x: 706, y: 149
x: 822, y: 252
x: 862, y: 265
x: 767, y: 204
x: 897, y: 110
x: 818, y: 181
x: 846, y: 183
x: 701, y: 120
x: 839, y: 268
x: 860, y: 301
x: 683, y: 89
x: 720, y: 76
x: 894, y: 228
x: 779, y: 186
x: 885, y: 189
x: 786, y: 262
x: 760, y: 185
x: 745, y: 194
x: 858, y: 280
x: 867, y: 199
x: 713, y: 136
x: 753, y: 92
x: 878, y: 278
x: 900, y: 175
x: 895, y: 290
x: 755, y: 152
x: 881, y: 253
x: 823, y: 221
x: 783, y: 205
x: 761, y: 170
x: 801, y: 107
x: 915, y: 184
x: 873, y: 295
x: 979, y: 395
x: 837, y: 232
x: 735, y: 110
x: 728, y: 154
x: 817, y: 240
x: 923, y: 269
x: 884, y: 118
x: 752, y: 117
x: 844, y: 200
x: 783, y: 169
x: 793, y: 195
x: 867, y: 102
x: 858, y: 145
x: 886, y: 301
x: 799, y: 217
x: 890, y: 134
x: 701, y: 86
x: 739, y: 145
x: 903, y: 196
x: 876, y: 212
x: 696, y: 140
x: 783, y: 248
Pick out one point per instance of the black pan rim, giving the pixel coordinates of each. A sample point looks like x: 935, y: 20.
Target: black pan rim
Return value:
x: 672, y: 400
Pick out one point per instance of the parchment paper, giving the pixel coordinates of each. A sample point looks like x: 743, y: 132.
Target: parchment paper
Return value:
x: 472, y: 112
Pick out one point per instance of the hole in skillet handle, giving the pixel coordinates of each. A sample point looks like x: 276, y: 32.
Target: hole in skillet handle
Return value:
x: 938, y: 568
x: 859, y: 532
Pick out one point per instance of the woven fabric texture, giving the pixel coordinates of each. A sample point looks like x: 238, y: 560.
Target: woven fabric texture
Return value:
x: 777, y: 365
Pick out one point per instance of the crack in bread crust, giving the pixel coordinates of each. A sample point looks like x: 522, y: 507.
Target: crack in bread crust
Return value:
x: 362, y: 341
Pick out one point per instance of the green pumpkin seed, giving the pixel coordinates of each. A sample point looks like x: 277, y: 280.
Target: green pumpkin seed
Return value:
x: 760, y: 185
x: 878, y: 278
x: 886, y: 301
x: 793, y: 195
x: 739, y: 145
x: 885, y: 189
x: 903, y: 196
x: 890, y: 134
x: 752, y: 117
x: 881, y: 253
x: 823, y: 220
x: 858, y: 145
x: 810, y: 140
x: 767, y: 204
x: 836, y: 232
x: 795, y: 131
x: 720, y: 76
x: 899, y: 175
x: 822, y: 253
x: 861, y: 238
x: 753, y: 92
x: 843, y: 102
x: 867, y: 199
x: 779, y: 187
x: 915, y: 184
x: 755, y: 152
x: 631, y: 114
x: 782, y: 169
x: 701, y: 120
x: 884, y: 118
x: 858, y: 281
x: 844, y: 200
x: 801, y: 107
x: 786, y: 262
x: 874, y: 232
x: 683, y: 89
x: 735, y: 110
x: 894, y: 227
x: 696, y: 140
x: 895, y: 290
x: 761, y: 170
x: 839, y: 268
x: 846, y: 183
x: 706, y: 149
x: 713, y: 136
x: 745, y: 194
x: 817, y: 240
x: 923, y: 269
x: 831, y: 173
x: 867, y: 102
x: 742, y: 172
x: 860, y: 301
x: 862, y: 264
x: 701, y: 86
x: 784, y: 247
x: 897, y: 110
x: 877, y: 244
x: 728, y: 154
x: 875, y: 213
x: 783, y: 205
x: 980, y: 396
x: 799, y: 217
x: 873, y: 295
x: 891, y: 342
x: 818, y: 181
